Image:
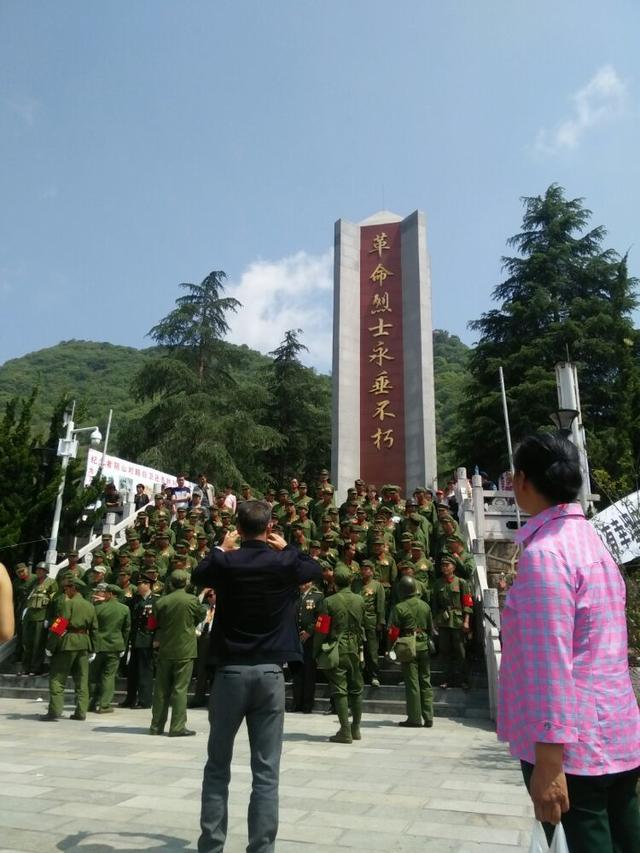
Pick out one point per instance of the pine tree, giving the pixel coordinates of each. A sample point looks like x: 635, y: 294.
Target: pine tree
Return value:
x: 564, y: 294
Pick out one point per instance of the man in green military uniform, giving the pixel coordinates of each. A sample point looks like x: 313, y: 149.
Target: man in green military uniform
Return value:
x: 72, y: 637
x: 114, y: 624
x: 38, y: 596
x: 177, y: 615
x: 412, y: 617
x: 453, y: 606
x: 143, y: 626
x: 303, y: 673
x: 372, y: 593
x: 465, y: 562
x: 424, y: 571
x: 20, y: 583
x: 384, y: 566
x: 346, y: 612
x: 108, y: 551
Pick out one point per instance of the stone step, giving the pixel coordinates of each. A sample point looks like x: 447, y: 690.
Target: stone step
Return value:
x: 387, y: 699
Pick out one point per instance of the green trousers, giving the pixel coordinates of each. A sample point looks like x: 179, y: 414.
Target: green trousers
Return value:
x: 371, y: 649
x: 102, y: 678
x: 417, y: 688
x: 63, y: 665
x: 603, y: 815
x: 170, y: 691
x: 34, y: 638
x: 453, y: 655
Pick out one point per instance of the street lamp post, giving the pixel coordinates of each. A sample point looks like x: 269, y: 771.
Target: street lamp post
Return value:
x: 67, y: 449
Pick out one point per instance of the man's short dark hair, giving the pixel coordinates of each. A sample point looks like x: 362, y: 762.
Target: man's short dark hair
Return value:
x: 253, y: 517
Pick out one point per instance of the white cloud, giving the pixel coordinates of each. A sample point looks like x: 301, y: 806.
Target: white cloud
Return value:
x: 602, y: 99
x: 291, y: 293
x: 25, y: 107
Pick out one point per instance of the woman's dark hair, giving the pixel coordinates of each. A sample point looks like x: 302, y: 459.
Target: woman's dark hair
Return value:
x: 551, y: 463
x: 253, y: 517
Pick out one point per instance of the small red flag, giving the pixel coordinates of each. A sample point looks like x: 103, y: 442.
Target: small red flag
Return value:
x: 323, y: 624
x: 393, y: 633
x: 467, y: 600
x: 152, y: 623
x: 59, y: 626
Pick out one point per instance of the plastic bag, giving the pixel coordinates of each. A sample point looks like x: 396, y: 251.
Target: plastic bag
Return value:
x: 539, y: 840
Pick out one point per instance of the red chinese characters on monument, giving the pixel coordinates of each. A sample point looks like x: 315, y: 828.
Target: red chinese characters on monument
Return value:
x: 382, y: 446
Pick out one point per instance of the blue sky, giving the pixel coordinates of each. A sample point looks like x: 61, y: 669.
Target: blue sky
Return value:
x: 144, y: 144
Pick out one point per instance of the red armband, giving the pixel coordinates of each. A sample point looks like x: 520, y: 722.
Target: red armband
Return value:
x: 393, y: 633
x: 467, y: 600
x: 59, y: 626
x: 152, y: 623
x: 323, y: 624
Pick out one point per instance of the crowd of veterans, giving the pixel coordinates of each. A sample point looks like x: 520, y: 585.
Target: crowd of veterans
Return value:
x: 397, y: 583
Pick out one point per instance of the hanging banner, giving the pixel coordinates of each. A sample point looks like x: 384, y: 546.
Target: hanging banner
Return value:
x: 619, y: 528
x: 126, y: 475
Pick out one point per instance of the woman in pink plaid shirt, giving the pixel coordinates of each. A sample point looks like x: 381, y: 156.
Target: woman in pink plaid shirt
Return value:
x: 566, y: 703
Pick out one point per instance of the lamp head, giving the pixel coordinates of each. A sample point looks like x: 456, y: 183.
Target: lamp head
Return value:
x: 96, y: 436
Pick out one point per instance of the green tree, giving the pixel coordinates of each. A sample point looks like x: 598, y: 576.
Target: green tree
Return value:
x: 564, y: 293
x: 450, y: 360
x: 298, y: 409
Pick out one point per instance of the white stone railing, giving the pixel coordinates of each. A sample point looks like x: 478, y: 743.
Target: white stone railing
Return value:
x: 476, y: 525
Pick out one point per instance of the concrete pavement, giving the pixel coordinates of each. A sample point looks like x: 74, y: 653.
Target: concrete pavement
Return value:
x: 105, y: 785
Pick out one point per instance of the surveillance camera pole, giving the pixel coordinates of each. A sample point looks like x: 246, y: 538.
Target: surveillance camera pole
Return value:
x: 67, y: 449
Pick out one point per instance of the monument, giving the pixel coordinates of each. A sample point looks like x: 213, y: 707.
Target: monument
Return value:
x: 383, y: 419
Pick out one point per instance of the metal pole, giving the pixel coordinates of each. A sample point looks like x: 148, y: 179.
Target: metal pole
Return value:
x: 507, y: 427
x: 52, y: 553
x: 106, y: 440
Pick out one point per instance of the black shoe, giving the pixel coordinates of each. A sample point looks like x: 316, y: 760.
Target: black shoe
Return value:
x: 49, y: 718
x: 197, y: 703
x: 140, y: 705
x: 125, y: 704
x: 428, y: 724
x: 183, y: 733
x: 155, y: 732
x: 407, y: 724
x: 76, y: 716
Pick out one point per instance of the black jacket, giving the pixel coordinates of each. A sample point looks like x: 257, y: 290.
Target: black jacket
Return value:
x: 257, y: 592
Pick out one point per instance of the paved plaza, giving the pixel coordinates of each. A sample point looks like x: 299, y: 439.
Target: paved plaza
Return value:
x: 104, y: 785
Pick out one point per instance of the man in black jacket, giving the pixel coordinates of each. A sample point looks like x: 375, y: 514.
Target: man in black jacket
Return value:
x: 254, y: 632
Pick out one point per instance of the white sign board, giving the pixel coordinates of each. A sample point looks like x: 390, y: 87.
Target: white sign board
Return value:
x: 126, y: 475
x: 619, y: 528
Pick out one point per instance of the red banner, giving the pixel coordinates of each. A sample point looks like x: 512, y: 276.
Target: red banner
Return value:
x: 382, y: 446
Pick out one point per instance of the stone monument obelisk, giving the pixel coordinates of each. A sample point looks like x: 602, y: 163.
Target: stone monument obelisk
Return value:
x: 383, y: 424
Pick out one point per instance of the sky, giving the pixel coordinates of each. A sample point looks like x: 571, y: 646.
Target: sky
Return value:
x: 145, y: 144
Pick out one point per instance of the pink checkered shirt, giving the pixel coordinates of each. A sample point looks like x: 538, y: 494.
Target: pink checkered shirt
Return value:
x: 564, y: 676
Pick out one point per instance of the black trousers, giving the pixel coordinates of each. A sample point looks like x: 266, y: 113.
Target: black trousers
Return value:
x: 303, y: 676
x: 140, y: 677
x: 603, y: 814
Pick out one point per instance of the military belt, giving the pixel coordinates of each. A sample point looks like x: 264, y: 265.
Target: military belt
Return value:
x: 417, y: 631
x: 76, y: 630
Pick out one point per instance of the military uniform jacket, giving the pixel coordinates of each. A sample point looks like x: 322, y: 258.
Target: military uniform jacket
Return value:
x: 308, y: 608
x: 141, y: 632
x: 413, y: 616
x: 82, y: 630
x: 38, y: 597
x: 372, y: 595
x: 385, y: 570
x: 452, y: 600
x: 347, y: 618
x: 114, y: 624
x: 178, y: 613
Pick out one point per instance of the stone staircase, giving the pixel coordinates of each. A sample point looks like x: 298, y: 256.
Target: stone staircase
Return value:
x: 388, y: 699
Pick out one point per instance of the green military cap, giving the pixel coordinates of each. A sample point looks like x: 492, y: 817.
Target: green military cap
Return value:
x: 181, y: 544
x: 351, y: 490
x: 194, y: 513
x: 352, y: 503
x: 146, y: 579
x: 367, y: 563
x: 123, y: 555
x: 356, y: 528
x: 342, y: 576
x: 384, y: 510
x: 455, y: 538
x: 101, y: 569
x: 416, y: 545
x: 158, y: 496
x: 441, y: 505
x: 162, y: 534
x: 314, y: 543
x: 113, y: 589
x: 149, y: 552
x: 416, y: 517
x: 378, y: 539
x: 124, y: 570
x: 411, y: 502
x: 329, y: 537
x: 72, y: 553
x: 333, y: 510
x: 325, y: 564
x: 406, y: 537
x: 446, y: 517
x: 271, y: 492
x: 202, y: 536
x: 324, y: 473
x: 302, y: 485
x: 162, y: 513
x: 346, y: 522
x: 102, y: 587
x: 405, y: 564
x: 361, y: 510
x: 225, y: 514
x: 98, y: 554
x: 245, y: 486
x: 282, y: 492
x: 419, y: 490
x: 181, y: 509
x: 360, y: 482
x: 297, y: 526
x: 107, y: 537
x: 448, y: 558
x: 20, y: 566
x: 152, y: 568
x: 326, y: 518
x: 72, y: 580
x: 187, y: 528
